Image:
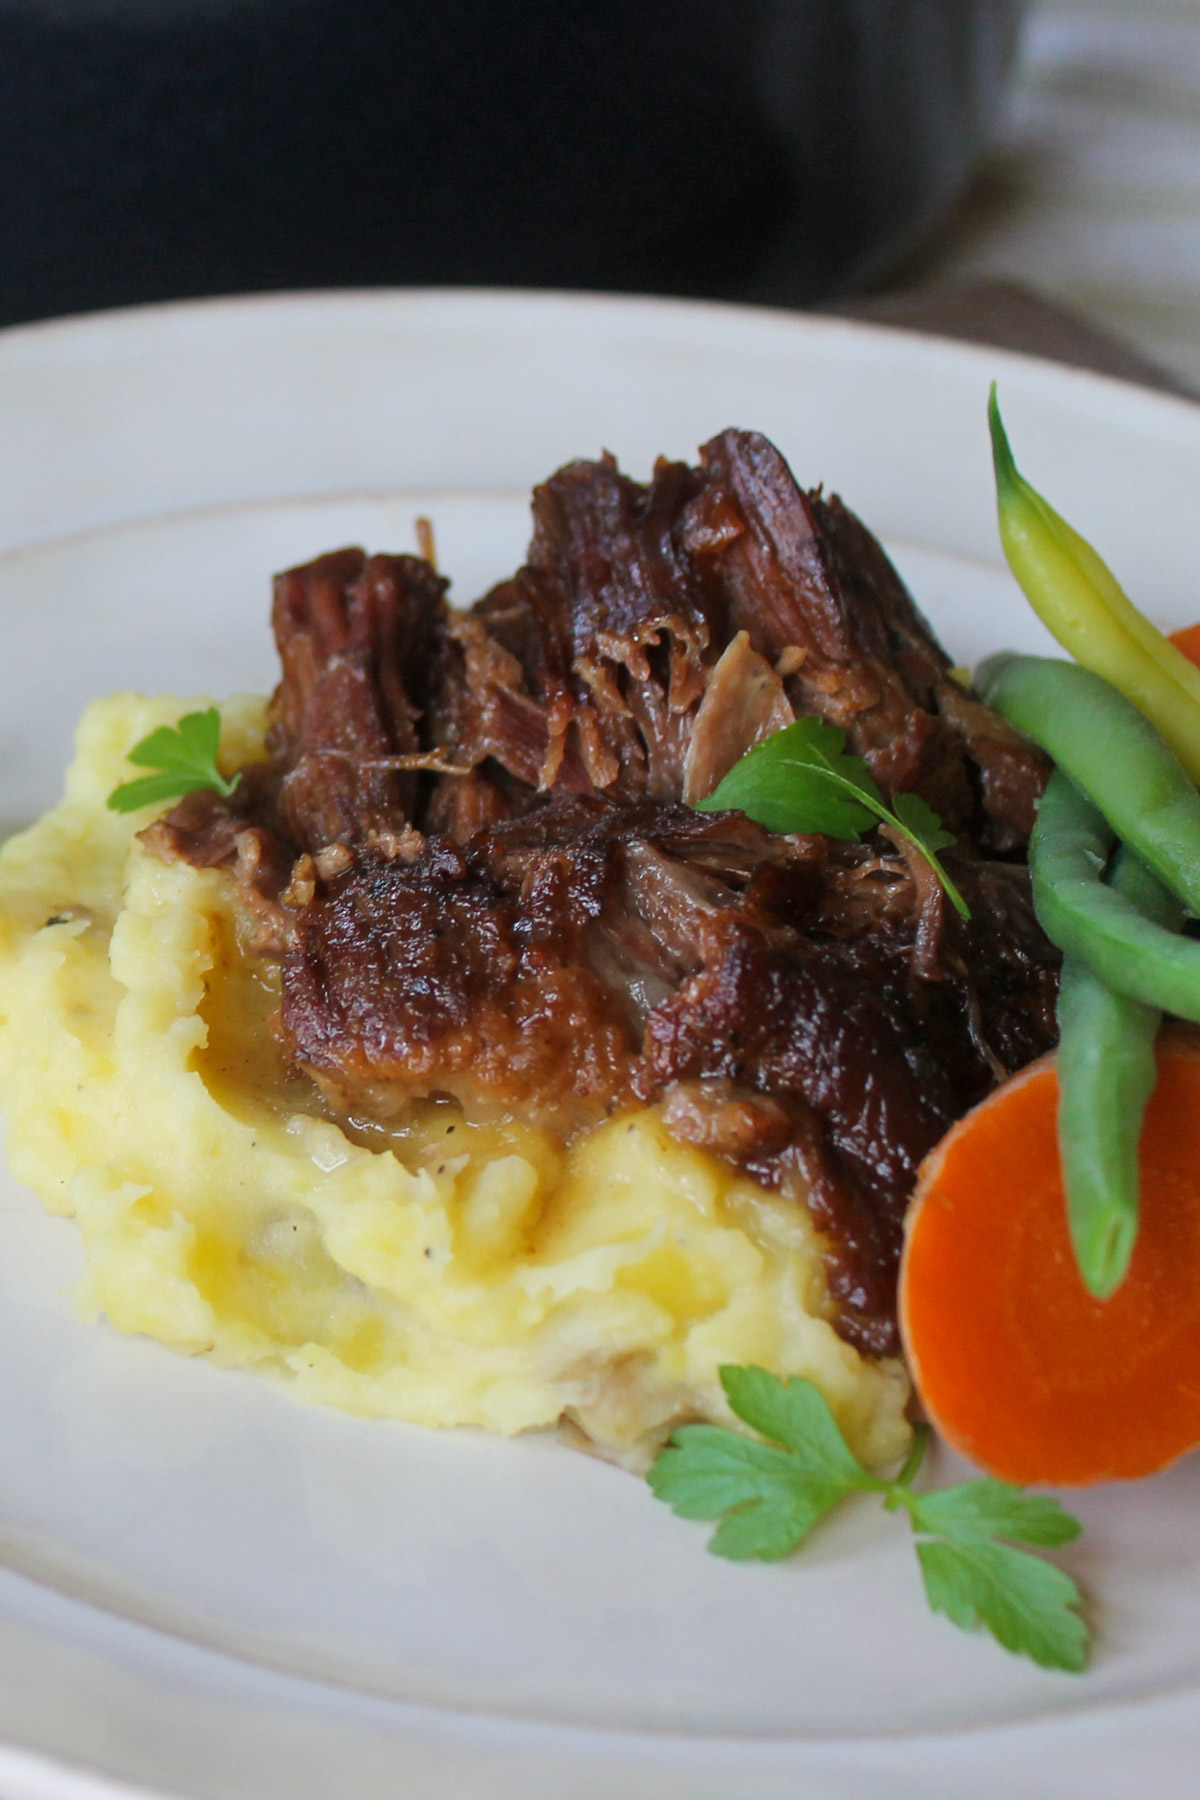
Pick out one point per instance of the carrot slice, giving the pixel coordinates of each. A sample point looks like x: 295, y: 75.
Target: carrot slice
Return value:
x: 1017, y: 1365
x: 1188, y: 640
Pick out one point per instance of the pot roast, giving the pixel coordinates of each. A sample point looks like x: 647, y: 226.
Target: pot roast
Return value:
x: 474, y: 855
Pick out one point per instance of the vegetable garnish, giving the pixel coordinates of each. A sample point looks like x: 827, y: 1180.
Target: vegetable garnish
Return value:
x: 1106, y: 1075
x: 186, y: 757
x: 1079, y: 600
x: 801, y: 779
x: 1187, y: 642
x: 1130, y: 944
x: 1111, y: 751
x: 769, y: 1495
x: 1017, y: 1365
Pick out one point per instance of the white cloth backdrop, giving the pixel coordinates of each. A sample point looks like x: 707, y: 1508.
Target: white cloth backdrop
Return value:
x: 1090, y: 194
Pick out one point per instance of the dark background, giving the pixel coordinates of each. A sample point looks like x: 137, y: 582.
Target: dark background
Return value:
x: 778, y: 149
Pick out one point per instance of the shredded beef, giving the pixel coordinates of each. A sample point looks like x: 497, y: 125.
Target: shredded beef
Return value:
x: 473, y: 852
x: 356, y: 637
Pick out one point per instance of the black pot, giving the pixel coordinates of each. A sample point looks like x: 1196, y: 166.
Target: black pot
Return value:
x: 151, y: 149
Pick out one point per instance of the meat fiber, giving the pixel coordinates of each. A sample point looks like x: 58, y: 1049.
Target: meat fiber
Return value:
x: 473, y: 850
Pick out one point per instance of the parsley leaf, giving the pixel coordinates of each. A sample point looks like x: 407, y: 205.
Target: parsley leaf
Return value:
x: 185, y: 756
x: 918, y: 819
x: 773, y: 1497
x: 769, y: 1495
x: 802, y: 779
x: 982, y: 1509
x: 796, y: 1414
x: 766, y: 1502
x: 1026, y: 1603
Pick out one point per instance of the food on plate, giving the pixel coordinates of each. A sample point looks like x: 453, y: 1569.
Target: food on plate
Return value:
x: 1017, y: 1364
x: 1080, y: 601
x: 1048, y: 1287
x: 1106, y: 1074
x: 1187, y: 641
x: 1133, y: 943
x: 1048, y: 1291
x: 801, y: 779
x: 1124, y: 729
x: 1111, y: 752
x: 970, y: 1538
x: 451, y: 1063
x: 184, y: 758
x: 1118, y: 920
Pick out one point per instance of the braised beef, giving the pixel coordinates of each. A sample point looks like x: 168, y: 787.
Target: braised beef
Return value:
x: 356, y: 637
x: 813, y: 587
x: 470, y: 850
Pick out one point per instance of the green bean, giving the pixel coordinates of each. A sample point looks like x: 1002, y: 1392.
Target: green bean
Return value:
x: 1112, y: 753
x: 1130, y: 952
x: 1106, y: 1075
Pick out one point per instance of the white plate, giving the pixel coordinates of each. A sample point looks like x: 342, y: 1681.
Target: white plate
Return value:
x: 206, y: 1590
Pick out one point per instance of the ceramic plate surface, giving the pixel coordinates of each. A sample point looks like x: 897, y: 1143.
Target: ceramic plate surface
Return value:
x: 209, y: 1591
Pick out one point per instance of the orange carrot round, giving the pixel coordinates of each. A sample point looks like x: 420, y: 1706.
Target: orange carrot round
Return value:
x: 1188, y: 640
x: 1016, y: 1364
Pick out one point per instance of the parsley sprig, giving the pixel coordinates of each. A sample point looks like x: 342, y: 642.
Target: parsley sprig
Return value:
x: 185, y: 756
x: 769, y: 1495
x: 801, y: 779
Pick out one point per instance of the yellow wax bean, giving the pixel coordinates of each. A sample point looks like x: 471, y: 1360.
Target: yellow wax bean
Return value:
x: 1079, y: 600
x: 1172, y: 661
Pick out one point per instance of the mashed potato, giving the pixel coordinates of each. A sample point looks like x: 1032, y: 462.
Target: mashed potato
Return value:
x: 444, y: 1274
